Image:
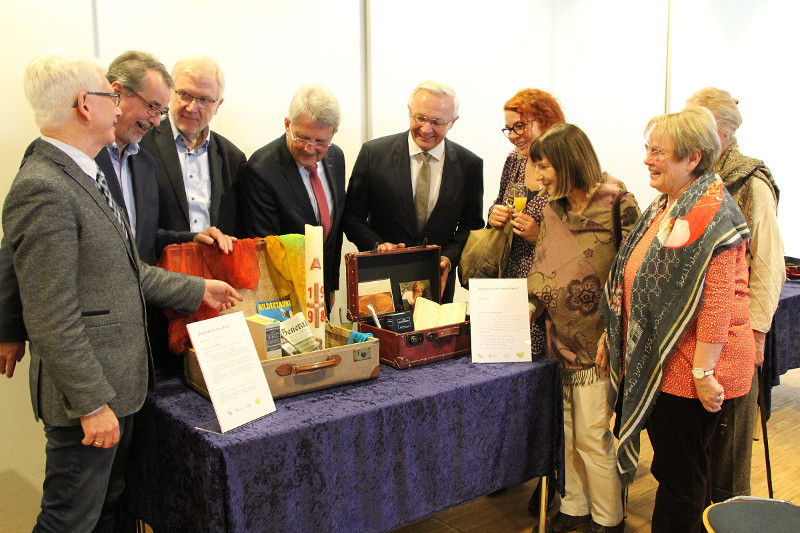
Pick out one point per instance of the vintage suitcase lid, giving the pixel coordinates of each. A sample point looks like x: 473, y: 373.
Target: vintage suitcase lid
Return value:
x: 402, y: 267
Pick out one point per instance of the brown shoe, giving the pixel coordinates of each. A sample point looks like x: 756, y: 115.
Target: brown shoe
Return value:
x: 597, y: 528
x: 564, y: 523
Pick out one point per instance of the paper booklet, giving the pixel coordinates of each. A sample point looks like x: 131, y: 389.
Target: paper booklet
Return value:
x: 428, y: 314
x: 297, y: 336
x: 499, y: 323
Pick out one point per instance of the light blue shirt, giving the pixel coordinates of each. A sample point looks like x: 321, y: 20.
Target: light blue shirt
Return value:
x: 124, y: 178
x: 310, y: 190
x: 196, y: 180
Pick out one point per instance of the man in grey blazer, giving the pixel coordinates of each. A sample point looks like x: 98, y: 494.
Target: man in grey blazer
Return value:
x: 197, y: 167
x: 417, y: 187
x: 83, y: 290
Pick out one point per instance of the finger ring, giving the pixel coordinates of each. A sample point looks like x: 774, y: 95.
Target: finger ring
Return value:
x: 97, y: 443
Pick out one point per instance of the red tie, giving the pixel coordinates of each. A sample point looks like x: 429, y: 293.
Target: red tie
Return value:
x: 322, y: 202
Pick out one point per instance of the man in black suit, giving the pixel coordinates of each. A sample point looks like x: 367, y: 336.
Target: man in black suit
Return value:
x: 298, y: 179
x: 197, y: 167
x: 417, y: 187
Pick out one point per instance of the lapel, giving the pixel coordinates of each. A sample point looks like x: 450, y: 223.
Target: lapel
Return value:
x: 448, y: 184
x: 103, y: 161
x: 291, y: 175
x: 402, y: 183
x: 215, y: 171
x: 88, y: 184
x: 330, y: 169
x: 165, y: 144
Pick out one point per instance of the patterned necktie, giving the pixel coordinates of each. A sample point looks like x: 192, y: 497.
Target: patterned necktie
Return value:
x: 322, y: 201
x: 102, y: 184
x: 423, y: 193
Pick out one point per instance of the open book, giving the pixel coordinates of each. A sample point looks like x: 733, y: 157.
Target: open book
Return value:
x: 428, y: 314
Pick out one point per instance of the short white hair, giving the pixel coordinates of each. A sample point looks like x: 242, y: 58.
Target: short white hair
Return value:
x: 201, y: 66
x: 53, y: 81
x: 439, y: 89
x: 319, y: 103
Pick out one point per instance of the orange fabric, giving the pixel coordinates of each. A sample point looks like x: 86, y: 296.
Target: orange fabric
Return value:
x: 724, y: 317
x: 239, y: 269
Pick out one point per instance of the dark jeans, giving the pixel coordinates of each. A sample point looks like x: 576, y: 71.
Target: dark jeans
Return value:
x: 680, y: 430
x: 82, y: 484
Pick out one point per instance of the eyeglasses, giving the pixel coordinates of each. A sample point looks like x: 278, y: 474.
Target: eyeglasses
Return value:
x: 435, y: 122
x: 316, y: 145
x: 115, y: 98
x: 654, y: 153
x: 202, y: 101
x: 518, y: 128
x: 152, y: 110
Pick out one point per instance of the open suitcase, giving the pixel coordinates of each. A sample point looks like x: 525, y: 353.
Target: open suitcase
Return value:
x: 404, y: 265
x: 339, y: 363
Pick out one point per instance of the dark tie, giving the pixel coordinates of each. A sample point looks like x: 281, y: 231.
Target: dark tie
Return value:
x: 423, y: 190
x: 322, y: 201
x: 102, y: 184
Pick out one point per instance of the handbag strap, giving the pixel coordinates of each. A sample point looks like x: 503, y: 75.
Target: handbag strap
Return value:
x: 616, y: 218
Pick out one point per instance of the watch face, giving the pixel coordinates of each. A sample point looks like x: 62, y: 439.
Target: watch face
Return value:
x: 698, y: 373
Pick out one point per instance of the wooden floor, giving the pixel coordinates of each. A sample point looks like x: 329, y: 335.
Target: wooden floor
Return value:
x: 506, y: 512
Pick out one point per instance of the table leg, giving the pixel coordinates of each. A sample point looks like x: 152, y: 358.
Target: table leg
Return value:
x: 542, y: 503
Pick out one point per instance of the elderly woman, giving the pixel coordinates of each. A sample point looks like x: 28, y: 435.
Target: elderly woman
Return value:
x: 574, y: 252
x: 678, y: 318
x: 527, y: 115
x: 750, y: 183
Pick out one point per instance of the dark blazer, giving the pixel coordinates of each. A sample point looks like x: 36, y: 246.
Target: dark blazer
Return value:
x: 225, y: 161
x: 380, y: 200
x: 273, y: 200
x: 83, y: 290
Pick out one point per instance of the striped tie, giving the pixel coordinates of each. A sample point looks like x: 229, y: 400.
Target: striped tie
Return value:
x: 102, y: 184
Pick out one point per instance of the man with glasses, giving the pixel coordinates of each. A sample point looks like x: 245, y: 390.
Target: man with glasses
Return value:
x: 84, y: 289
x: 298, y: 179
x: 197, y: 167
x: 417, y: 187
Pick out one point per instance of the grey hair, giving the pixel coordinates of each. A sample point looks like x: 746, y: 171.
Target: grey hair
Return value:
x: 691, y: 130
x: 722, y: 105
x: 201, y: 66
x: 439, y: 89
x: 52, y: 82
x: 319, y: 103
x: 131, y: 67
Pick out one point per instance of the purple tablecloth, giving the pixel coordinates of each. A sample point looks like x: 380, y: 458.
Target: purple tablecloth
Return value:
x: 365, y: 457
x: 782, y: 351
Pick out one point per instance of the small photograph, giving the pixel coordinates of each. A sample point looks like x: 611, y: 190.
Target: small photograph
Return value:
x: 377, y: 293
x: 411, y: 290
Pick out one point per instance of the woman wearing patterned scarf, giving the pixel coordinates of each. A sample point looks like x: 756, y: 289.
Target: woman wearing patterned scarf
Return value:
x: 574, y: 252
x: 750, y: 183
x: 677, y: 318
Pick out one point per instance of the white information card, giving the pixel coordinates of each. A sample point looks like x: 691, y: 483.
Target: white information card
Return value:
x: 236, y: 383
x: 499, y: 322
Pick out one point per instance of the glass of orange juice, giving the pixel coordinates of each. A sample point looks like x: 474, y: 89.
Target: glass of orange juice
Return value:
x: 520, y: 197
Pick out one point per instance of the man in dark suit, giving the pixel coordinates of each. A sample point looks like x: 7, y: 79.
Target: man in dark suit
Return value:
x: 197, y: 167
x: 298, y: 179
x: 83, y: 289
x: 417, y: 187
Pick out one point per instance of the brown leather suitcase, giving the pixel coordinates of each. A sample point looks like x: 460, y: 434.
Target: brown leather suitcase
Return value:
x: 413, y: 348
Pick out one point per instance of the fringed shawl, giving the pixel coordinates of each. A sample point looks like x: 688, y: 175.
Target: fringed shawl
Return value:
x: 736, y: 171
x: 665, y: 297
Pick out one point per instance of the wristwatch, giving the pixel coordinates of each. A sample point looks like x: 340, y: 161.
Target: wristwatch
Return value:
x: 699, y: 373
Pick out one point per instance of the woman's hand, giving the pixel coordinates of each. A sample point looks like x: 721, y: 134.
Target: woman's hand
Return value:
x: 601, y: 360
x: 525, y: 226
x: 710, y: 393
x: 499, y: 216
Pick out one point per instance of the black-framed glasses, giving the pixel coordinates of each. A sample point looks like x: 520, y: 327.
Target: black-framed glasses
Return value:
x: 152, y: 110
x: 202, y: 101
x: 115, y: 98
x: 655, y: 153
x: 422, y: 120
x: 307, y: 142
x: 518, y: 127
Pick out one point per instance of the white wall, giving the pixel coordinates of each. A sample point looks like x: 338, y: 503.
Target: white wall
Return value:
x: 604, y: 60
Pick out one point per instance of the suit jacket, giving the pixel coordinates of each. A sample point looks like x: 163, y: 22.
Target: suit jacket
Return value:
x: 225, y: 161
x: 83, y: 289
x: 273, y: 200
x: 380, y: 200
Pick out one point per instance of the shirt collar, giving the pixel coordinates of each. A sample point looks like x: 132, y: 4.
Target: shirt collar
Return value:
x: 437, y: 152
x: 181, y: 140
x: 130, y: 149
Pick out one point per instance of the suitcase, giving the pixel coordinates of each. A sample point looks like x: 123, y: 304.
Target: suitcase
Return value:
x: 413, y: 348
x: 338, y: 364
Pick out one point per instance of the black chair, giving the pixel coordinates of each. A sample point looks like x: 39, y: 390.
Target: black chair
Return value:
x: 746, y: 514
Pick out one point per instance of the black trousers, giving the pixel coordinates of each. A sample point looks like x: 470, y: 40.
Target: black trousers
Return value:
x: 680, y: 430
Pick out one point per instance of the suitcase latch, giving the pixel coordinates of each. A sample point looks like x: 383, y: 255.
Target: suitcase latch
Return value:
x: 414, y: 339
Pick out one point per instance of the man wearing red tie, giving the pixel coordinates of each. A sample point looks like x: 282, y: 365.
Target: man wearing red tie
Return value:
x: 298, y: 179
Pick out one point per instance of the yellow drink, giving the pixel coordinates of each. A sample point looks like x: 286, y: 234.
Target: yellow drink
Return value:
x: 519, y: 203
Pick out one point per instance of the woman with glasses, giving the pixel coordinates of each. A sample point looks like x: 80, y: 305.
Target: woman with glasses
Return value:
x: 678, y: 329
x: 576, y: 246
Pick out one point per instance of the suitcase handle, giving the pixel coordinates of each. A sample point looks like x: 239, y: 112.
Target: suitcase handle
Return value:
x: 288, y: 369
x: 442, y: 333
